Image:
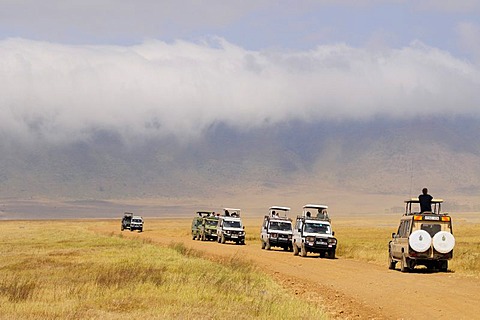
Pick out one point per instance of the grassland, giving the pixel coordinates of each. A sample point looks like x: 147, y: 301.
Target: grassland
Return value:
x: 60, y: 270
x: 367, y: 240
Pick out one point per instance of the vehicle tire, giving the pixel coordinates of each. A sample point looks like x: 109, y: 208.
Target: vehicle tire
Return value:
x: 123, y: 228
x: 322, y: 254
x: 404, y: 266
x: 295, y: 249
x: 131, y: 229
x: 331, y: 254
x: 267, y: 245
x: 263, y: 244
x: 303, y: 251
x: 141, y: 230
x: 443, y: 266
x: 286, y: 248
x: 391, y: 263
x: 194, y: 237
x: 222, y: 240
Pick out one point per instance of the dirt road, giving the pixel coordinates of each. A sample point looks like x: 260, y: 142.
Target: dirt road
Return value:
x: 348, y: 289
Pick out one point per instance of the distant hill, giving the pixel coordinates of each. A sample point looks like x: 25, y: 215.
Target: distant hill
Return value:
x: 379, y: 156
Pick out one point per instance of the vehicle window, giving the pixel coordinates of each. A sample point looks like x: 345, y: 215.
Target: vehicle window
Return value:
x: 281, y: 226
x: 432, y: 229
x: 405, y: 229
x: 232, y: 224
x: 212, y: 223
x: 401, y: 229
x: 317, y: 228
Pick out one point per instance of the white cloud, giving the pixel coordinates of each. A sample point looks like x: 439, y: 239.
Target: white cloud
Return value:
x: 61, y: 92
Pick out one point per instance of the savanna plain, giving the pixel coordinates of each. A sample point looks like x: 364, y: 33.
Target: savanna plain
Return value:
x: 89, y: 269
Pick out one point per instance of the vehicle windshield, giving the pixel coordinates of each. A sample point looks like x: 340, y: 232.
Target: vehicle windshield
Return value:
x: 231, y: 224
x: 136, y: 220
x: 280, y: 226
x: 433, y: 228
x: 317, y: 228
x: 212, y: 223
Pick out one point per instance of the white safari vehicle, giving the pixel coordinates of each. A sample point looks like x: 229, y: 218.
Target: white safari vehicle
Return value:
x: 422, y: 238
x: 276, y: 229
x: 313, y: 232
x: 230, y: 227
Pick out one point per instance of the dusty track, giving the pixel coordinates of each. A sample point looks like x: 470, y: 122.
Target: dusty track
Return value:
x: 348, y: 289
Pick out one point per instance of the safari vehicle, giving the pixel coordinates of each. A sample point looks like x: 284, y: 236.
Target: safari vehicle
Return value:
x: 230, y: 228
x: 136, y: 223
x: 197, y: 224
x: 276, y: 229
x: 131, y: 222
x: 126, y: 220
x: 313, y: 232
x: 422, y: 238
x: 204, y: 226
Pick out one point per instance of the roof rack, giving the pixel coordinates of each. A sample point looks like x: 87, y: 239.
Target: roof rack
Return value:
x: 316, y: 212
x: 205, y: 213
x: 275, y: 211
x: 436, y: 207
x: 231, y: 212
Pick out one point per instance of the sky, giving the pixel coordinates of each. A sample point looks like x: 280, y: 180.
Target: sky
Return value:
x: 176, y: 68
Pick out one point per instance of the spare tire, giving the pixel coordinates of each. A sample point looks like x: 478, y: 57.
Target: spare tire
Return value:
x: 443, y: 241
x: 420, y: 240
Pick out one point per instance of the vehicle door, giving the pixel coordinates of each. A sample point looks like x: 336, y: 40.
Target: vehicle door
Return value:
x: 297, y: 231
x: 263, y: 231
x: 400, y: 240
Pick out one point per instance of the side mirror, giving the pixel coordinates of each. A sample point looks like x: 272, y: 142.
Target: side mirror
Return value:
x: 393, y: 234
x: 333, y: 233
x: 243, y: 227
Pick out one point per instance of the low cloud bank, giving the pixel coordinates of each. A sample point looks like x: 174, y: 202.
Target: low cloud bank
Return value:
x: 61, y: 93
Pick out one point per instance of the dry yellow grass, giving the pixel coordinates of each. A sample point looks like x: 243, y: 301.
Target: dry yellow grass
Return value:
x: 367, y: 240
x: 60, y: 270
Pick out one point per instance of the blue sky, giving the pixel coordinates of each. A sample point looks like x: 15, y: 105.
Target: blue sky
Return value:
x: 253, y: 25
x: 156, y: 66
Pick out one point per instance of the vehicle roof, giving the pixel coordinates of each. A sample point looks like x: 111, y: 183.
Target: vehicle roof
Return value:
x: 415, y: 200
x: 231, y: 209
x: 231, y: 218
x: 317, y: 221
x: 279, y: 208
x: 315, y: 206
x: 137, y: 217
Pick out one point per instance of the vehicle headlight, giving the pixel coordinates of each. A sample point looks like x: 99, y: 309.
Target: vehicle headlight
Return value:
x: 273, y: 235
x: 310, y: 239
x: 332, y: 241
x: 227, y: 231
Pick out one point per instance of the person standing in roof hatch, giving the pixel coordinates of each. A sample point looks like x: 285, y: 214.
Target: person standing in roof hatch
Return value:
x: 425, y: 201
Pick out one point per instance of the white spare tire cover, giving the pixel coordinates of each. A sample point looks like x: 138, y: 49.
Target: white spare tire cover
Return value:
x: 443, y: 241
x: 420, y: 240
